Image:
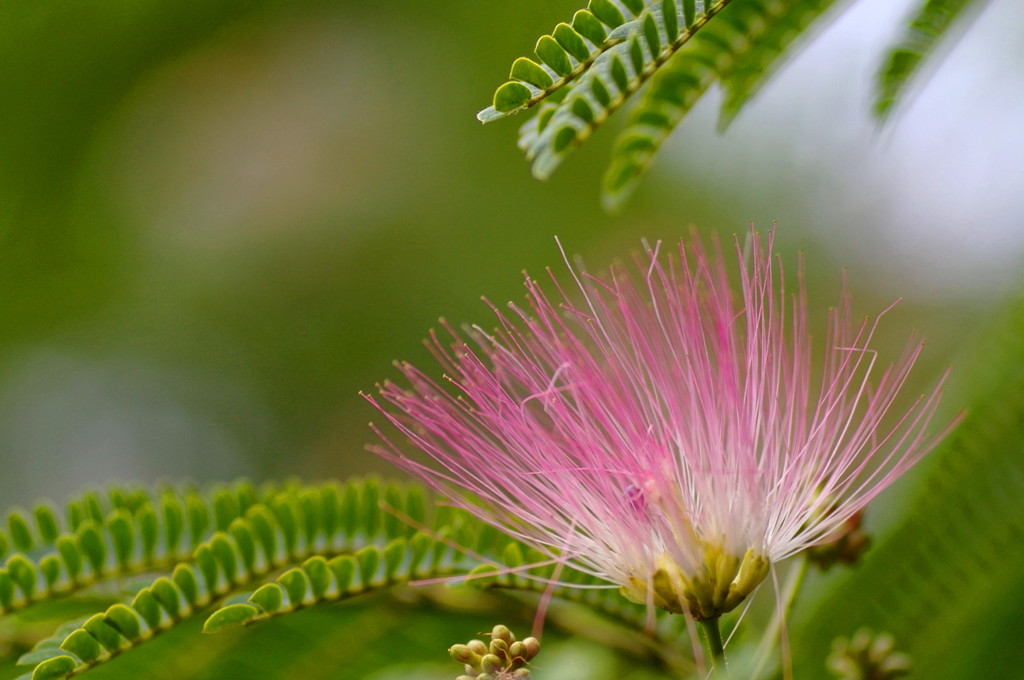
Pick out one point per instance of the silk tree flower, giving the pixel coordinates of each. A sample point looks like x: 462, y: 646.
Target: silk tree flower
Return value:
x: 661, y: 429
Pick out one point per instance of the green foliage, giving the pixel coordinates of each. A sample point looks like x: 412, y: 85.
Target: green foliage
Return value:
x: 563, y: 56
x: 682, y: 48
x: 319, y: 580
x: 119, y: 533
x: 593, y: 72
x: 646, y: 45
x: 453, y: 547
x: 330, y: 542
x: 932, y: 20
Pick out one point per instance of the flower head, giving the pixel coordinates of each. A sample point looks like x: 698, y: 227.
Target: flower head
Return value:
x: 659, y: 428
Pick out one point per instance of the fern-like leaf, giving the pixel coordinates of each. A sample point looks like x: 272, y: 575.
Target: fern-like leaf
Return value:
x: 451, y: 550
x: 287, y: 528
x: 122, y: 532
x: 738, y: 49
x: 320, y: 580
x: 569, y: 51
x: 615, y: 75
x: 931, y: 22
x: 585, y: 72
x: 332, y: 542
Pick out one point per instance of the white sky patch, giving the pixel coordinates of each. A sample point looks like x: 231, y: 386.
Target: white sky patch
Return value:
x: 936, y: 198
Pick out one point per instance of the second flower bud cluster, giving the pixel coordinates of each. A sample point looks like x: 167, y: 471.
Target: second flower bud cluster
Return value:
x: 503, y: 659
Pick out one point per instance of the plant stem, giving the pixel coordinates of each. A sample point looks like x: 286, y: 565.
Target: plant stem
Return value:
x: 713, y: 637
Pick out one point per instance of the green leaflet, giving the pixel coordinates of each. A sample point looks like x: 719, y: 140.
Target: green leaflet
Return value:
x: 57, y: 667
x: 229, y: 617
x: 932, y: 20
x: 20, y: 532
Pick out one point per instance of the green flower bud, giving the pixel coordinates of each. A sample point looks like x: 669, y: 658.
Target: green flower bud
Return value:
x: 500, y: 649
x: 868, y: 656
x: 504, y: 658
x: 463, y: 654
x: 491, y: 664
x: 501, y: 632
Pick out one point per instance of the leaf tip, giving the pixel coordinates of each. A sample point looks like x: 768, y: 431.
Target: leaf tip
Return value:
x: 55, y: 668
x: 488, y: 115
x: 232, y: 616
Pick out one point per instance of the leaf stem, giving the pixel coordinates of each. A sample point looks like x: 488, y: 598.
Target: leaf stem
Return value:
x: 713, y: 638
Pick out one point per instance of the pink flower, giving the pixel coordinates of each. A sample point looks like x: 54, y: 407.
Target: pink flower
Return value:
x: 660, y: 429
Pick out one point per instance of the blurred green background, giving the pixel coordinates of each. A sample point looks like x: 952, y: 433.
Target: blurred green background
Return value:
x: 220, y: 220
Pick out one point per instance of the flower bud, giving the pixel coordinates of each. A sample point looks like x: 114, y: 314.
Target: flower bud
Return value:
x: 501, y: 632
x: 500, y: 649
x: 845, y: 545
x: 504, y: 658
x: 491, y: 664
x: 463, y: 654
x: 868, y: 656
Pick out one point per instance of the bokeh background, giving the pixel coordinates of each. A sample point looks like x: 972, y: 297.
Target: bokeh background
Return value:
x: 220, y: 220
